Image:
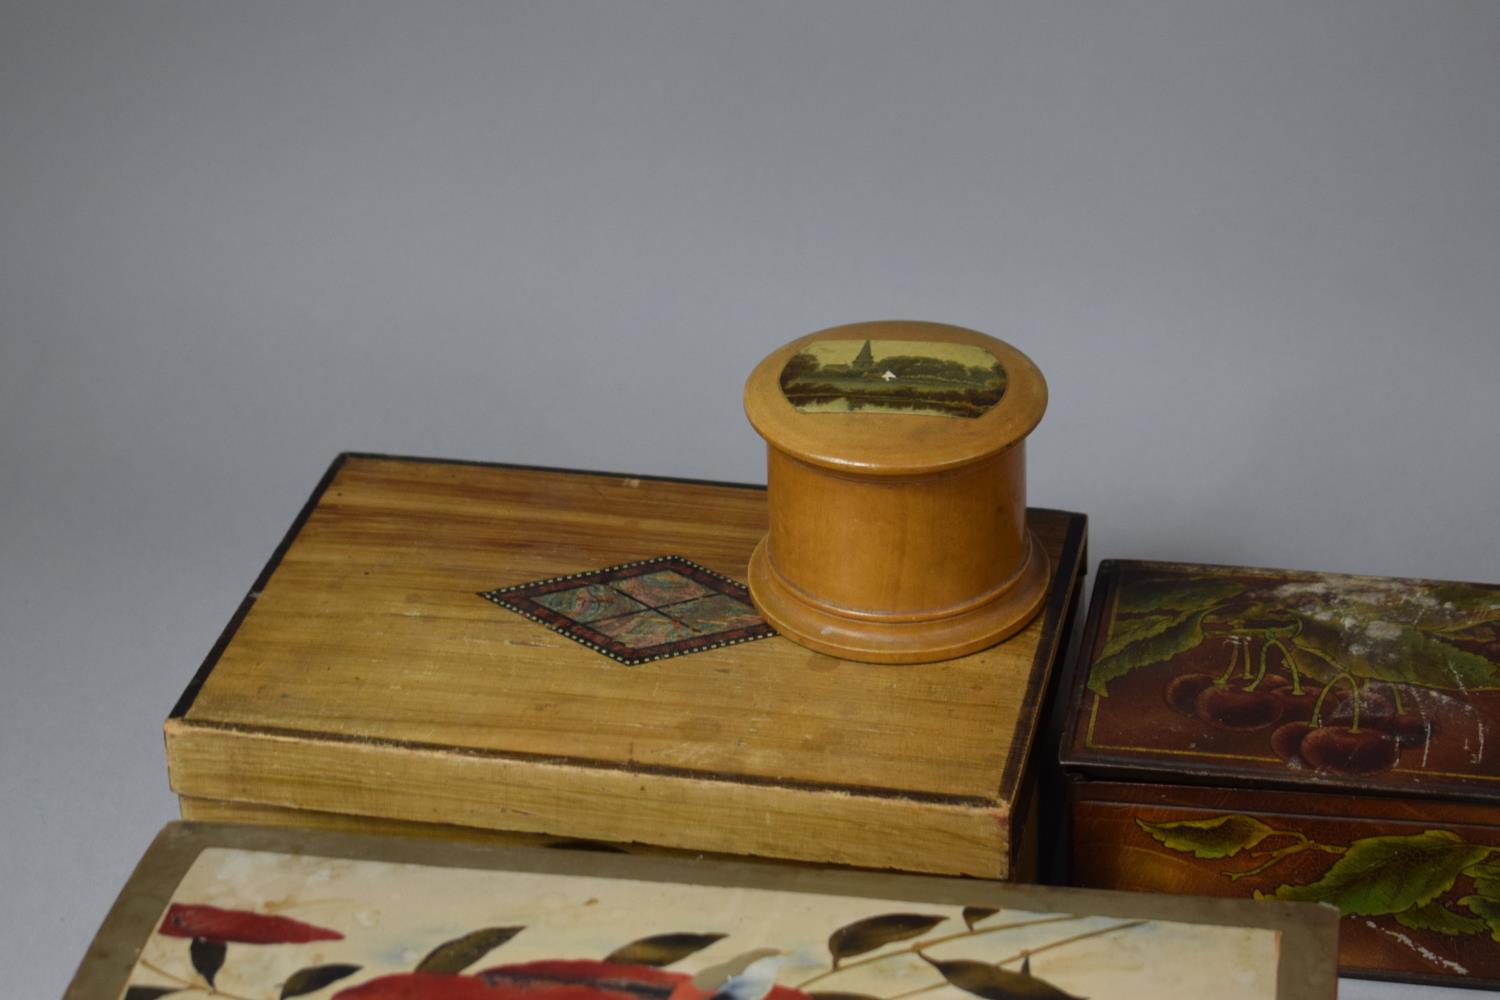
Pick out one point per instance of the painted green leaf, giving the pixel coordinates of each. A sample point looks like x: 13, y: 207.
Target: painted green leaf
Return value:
x: 151, y: 992
x: 1399, y: 655
x: 876, y: 932
x: 974, y: 914
x: 1485, y: 909
x: 1220, y: 837
x: 1182, y: 636
x: 1380, y: 875
x: 995, y: 983
x: 460, y: 953
x: 1486, y: 876
x: 1175, y: 594
x: 1125, y: 631
x: 1468, y: 597
x: 661, y: 949
x: 208, y: 957
x: 314, y: 977
x: 1437, y: 917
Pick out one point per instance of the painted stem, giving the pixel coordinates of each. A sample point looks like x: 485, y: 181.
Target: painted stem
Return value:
x: 1234, y: 659
x: 1317, y: 712
x: 1027, y: 953
x: 916, y: 948
x: 1303, y: 843
x: 1291, y: 662
x: 188, y: 984
x: 1396, y: 698
x: 1260, y: 674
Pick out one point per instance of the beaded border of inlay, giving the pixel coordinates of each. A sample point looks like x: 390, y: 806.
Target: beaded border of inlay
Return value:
x: 521, y: 598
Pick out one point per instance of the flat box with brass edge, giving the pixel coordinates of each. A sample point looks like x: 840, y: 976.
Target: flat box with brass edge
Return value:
x: 363, y: 682
x: 1301, y: 736
x: 250, y: 913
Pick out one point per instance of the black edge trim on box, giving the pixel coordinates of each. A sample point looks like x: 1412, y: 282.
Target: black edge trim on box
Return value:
x: 1078, y: 665
x: 185, y: 701
x: 1047, y: 650
x: 1078, y: 766
x: 475, y: 463
x: 206, y: 667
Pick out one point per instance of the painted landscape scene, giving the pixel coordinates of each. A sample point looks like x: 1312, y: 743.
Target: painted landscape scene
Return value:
x: 893, y: 376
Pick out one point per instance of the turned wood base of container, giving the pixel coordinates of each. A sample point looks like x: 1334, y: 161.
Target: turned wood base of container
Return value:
x: 910, y: 638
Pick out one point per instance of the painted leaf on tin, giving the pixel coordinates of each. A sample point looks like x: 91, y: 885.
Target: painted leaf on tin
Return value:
x: 460, y: 953
x: 1438, y: 918
x: 877, y: 932
x: 1379, y: 875
x: 208, y: 957
x: 661, y: 949
x: 1178, y: 594
x: 1220, y: 837
x: 314, y: 978
x: 1128, y: 631
x: 995, y: 983
x: 974, y: 914
x: 1486, y: 876
x: 1398, y: 654
x: 1179, y: 637
x: 1485, y: 909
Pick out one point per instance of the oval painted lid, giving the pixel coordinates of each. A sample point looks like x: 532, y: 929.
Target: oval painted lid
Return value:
x: 895, y: 397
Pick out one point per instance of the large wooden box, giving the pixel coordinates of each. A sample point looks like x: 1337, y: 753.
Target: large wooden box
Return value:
x: 249, y: 913
x: 1213, y: 749
x: 365, y: 683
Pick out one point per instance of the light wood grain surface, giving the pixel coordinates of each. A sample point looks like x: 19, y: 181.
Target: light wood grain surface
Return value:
x: 368, y: 678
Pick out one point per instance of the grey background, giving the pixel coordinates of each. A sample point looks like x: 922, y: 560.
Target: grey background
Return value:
x: 1254, y: 246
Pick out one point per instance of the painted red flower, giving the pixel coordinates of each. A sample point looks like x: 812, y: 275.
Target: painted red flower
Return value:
x: 210, y: 923
x: 543, y: 980
x: 450, y: 986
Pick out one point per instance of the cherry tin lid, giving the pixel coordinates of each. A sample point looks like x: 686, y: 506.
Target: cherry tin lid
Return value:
x: 1235, y: 676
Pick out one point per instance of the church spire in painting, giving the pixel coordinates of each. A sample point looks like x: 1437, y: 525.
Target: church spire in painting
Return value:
x: 864, y: 359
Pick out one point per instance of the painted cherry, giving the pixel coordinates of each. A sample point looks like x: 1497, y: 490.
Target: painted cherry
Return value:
x: 1294, y: 705
x: 1183, y: 691
x: 1286, y: 741
x: 1375, y: 709
x: 1240, y: 710
x: 1351, y: 751
x: 210, y: 923
x: 1410, y: 729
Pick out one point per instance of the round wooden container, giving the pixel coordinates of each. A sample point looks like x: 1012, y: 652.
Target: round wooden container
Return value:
x: 897, y: 489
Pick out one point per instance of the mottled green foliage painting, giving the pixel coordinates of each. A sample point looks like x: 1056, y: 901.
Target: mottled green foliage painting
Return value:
x: 1434, y: 880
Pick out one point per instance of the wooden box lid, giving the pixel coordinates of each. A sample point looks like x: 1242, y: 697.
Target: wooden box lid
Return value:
x: 246, y: 912
x: 1232, y: 676
x: 363, y: 675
